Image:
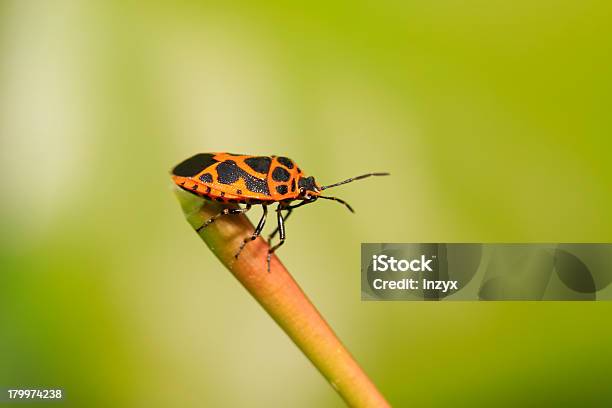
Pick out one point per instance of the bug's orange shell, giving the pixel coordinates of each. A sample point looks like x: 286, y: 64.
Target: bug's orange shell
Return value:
x: 239, y: 178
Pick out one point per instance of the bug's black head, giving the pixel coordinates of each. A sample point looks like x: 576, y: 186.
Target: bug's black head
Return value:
x: 308, y: 186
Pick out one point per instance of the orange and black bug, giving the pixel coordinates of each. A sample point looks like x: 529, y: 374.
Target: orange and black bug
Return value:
x: 250, y: 180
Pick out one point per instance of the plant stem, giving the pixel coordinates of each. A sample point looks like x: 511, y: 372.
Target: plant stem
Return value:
x: 283, y: 299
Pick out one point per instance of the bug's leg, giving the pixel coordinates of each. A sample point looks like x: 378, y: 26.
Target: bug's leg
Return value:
x: 273, y: 234
x: 289, y: 209
x: 260, y: 225
x: 225, y: 211
x: 281, y: 230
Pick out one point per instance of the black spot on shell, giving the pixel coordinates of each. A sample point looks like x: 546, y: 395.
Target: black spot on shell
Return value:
x: 285, y: 161
x: 256, y: 185
x: 194, y: 187
x: 293, y: 185
x: 206, y: 178
x: 239, y: 191
x: 280, y: 174
x: 260, y: 164
x: 228, y: 172
x: 194, y: 165
x: 282, y: 189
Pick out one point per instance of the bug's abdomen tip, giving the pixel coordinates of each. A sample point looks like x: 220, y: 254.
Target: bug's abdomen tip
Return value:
x: 194, y: 165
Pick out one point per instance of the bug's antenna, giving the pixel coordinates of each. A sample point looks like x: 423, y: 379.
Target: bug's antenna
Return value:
x: 340, y: 201
x: 353, y: 179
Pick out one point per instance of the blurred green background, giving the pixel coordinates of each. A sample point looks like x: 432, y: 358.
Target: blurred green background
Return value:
x: 493, y: 118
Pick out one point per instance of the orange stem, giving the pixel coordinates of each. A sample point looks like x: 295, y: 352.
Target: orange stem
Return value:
x: 283, y: 299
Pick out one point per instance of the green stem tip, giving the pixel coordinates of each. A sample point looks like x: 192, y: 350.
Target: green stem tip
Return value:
x: 282, y: 298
